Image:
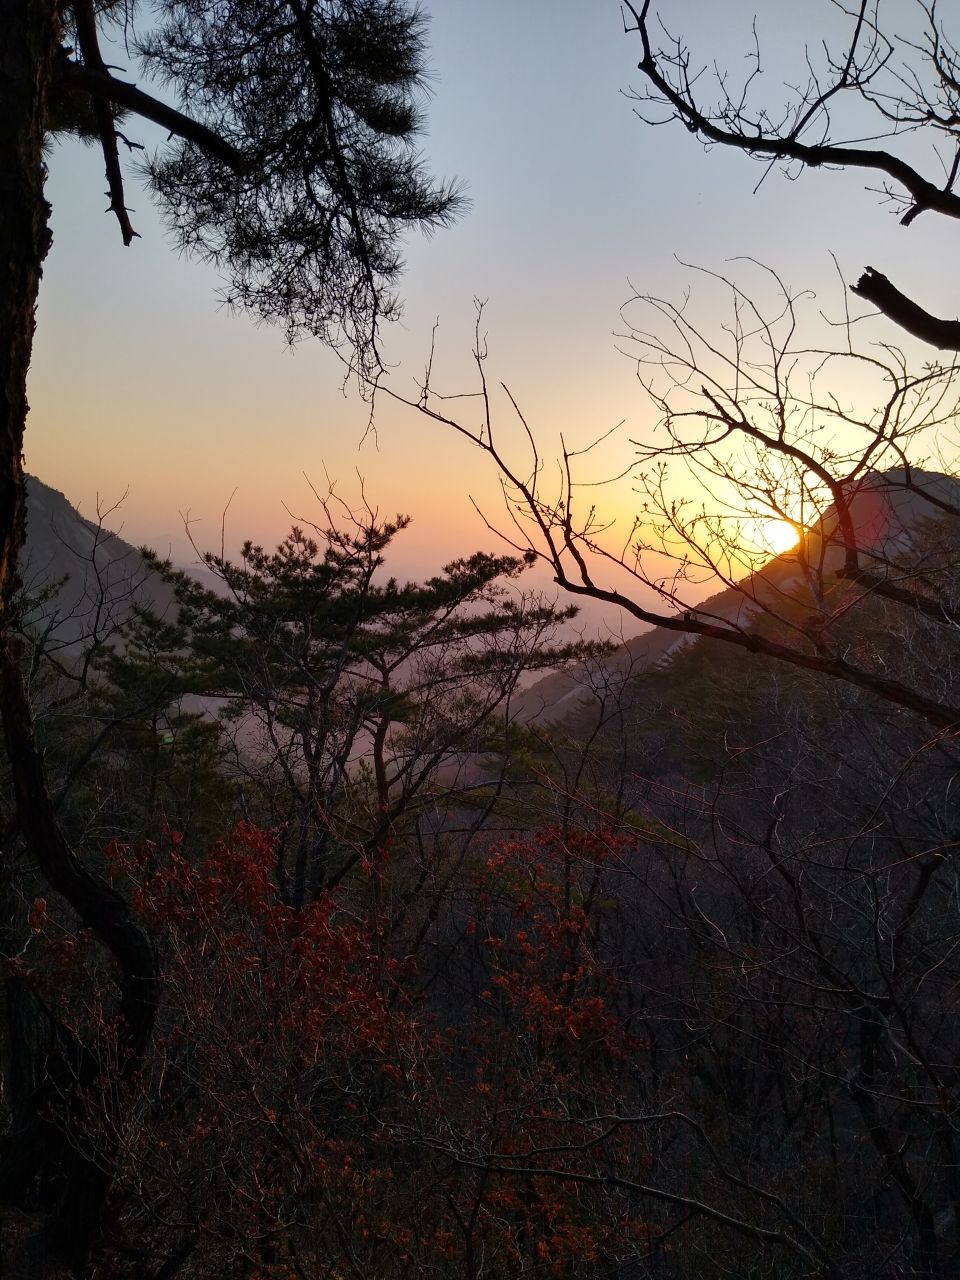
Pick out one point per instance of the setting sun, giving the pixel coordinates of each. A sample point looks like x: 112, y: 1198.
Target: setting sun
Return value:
x: 778, y: 535
x: 771, y: 535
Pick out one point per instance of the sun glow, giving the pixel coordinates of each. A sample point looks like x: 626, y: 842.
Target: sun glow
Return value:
x: 771, y: 535
x: 778, y: 535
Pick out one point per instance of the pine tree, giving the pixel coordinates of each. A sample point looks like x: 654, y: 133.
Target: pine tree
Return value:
x: 329, y: 668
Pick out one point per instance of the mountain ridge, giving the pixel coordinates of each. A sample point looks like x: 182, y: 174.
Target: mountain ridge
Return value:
x: 80, y: 580
x: 885, y: 510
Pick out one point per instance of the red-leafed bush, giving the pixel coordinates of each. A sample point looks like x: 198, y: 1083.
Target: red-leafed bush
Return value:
x: 311, y: 1107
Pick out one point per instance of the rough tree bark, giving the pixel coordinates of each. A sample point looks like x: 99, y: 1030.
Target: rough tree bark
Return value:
x: 40, y: 1167
x: 28, y: 46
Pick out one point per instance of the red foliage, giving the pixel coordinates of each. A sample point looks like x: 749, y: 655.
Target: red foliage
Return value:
x: 309, y: 1105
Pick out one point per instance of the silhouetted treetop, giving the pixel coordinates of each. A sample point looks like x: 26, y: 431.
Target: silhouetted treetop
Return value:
x: 292, y: 166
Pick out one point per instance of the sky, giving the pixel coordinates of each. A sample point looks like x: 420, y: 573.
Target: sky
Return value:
x: 144, y: 388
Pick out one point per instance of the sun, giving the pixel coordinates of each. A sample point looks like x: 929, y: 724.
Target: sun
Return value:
x: 778, y: 535
x: 770, y: 535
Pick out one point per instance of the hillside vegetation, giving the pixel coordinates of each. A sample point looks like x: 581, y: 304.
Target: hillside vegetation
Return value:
x: 656, y: 980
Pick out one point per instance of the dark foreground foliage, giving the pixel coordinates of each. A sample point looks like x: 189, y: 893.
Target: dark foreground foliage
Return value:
x: 669, y: 992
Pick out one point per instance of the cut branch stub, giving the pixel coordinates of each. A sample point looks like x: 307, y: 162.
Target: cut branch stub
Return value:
x: 875, y: 288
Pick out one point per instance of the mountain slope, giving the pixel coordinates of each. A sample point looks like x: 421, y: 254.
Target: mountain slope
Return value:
x: 80, y: 581
x: 887, y: 510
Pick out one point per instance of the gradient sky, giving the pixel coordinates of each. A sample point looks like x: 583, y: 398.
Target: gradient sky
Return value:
x: 142, y: 384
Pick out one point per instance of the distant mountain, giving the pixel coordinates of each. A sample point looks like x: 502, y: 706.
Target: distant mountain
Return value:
x: 79, y: 578
x: 92, y: 579
x: 886, y: 511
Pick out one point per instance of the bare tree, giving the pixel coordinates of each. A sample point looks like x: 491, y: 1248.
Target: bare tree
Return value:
x: 908, y: 79
x: 755, y: 420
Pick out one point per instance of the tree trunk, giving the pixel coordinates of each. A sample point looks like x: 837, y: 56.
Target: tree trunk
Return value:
x: 28, y: 47
x: 41, y: 1163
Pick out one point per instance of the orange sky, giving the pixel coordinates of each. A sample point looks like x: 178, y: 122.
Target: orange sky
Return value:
x: 141, y: 383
